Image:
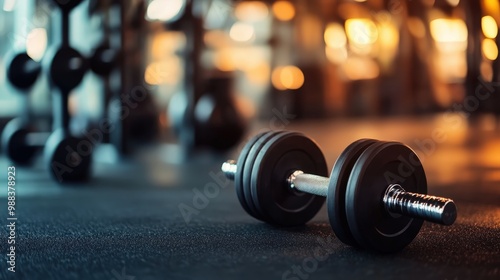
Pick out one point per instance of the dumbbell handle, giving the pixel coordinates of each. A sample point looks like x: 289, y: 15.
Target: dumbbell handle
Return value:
x: 36, y: 139
x: 395, y: 200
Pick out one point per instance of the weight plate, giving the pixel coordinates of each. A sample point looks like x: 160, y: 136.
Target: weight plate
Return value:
x: 67, y: 68
x: 247, y: 173
x: 337, y: 189
x: 67, y: 5
x: 379, y: 166
x: 68, y: 158
x: 23, y: 71
x: 279, y: 157
x: 14, y: 142
x: 104, y: 60
x: 238, y: 177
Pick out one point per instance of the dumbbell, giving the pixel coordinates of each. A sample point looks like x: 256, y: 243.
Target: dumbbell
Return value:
x: 67, y: 157
x: 376, y: 192
x: 217, y: 121
x: 19, y: 142
x: 214, y: 121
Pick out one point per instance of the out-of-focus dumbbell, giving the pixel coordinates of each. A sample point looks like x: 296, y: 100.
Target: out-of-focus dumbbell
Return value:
x: 19, y: 140
x: 218, y: 123
x: 214, y: 121
x: 67, y: 157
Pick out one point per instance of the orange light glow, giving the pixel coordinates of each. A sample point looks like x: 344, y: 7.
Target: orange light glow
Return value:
x: 490, y: 49
x: 216, y: 39
x: 336, y: 55
x: 287, y: 77
x: 361, y: 31
x: 416, y: 27
x: 251, y: 11
x: 166, y: 43
x: 335, y: 36
x: 283, y: 10
x: 492, y: 7
x: 448, y: 30
x: 388, y: 41
x: 224, y: 60
x: 450, y: 35
x: 356, y: 68
x: 489, y: 27
x: 167, y: 71
x: 259, y: 74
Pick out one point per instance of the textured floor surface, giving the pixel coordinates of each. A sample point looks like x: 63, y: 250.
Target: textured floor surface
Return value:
x: 127, y: 223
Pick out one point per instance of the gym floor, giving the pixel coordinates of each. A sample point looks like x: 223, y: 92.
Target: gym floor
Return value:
x: 127, y: 224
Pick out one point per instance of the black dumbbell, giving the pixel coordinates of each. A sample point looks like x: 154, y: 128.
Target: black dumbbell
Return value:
x: 218, y: 123
x: 214, y: 121
x: 104, y: 60
x: 376, y: 192
x: 22, y: 71
x: 67, y: 157
x: 19, y: 141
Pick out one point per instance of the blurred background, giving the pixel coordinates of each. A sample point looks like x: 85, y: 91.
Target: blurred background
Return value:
x: 201, y: 73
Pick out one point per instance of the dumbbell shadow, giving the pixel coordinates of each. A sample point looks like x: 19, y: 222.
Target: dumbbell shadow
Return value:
x: 376, y: 192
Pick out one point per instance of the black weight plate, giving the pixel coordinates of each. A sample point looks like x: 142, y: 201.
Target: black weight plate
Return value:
x: 379, y: 166
x: 337, y: 189
x: 67, y: 5
x: 14, y: 142
x: 238, y: 177
x: 278, y: 158
x: 247, y: 173
x: 67, y: 68
x: 104, y: 60
x: 68, y: 158
x: 23, y: 71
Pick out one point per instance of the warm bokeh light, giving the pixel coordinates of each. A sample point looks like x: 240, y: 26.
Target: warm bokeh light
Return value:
x: 361, y: 31
x: 357, y: 68
x: 416, y: 27
x: 251, y: 11
x: 165, y: 10
x: 489, y: 27
x: 168, y: 71
x: 283, y: 10
x: 224, y: 60
x: 492, y: 7
x: 216, y: 39
x: 490, y: 49
x: 242, y: 32
x: 259, y: 74
x: 166, y: 43
x: 36, y: 43
x: 448, y: 30
x: 450, y: 35
x: 388, y: 41
x: 336, y: 55
x: 287, y: 77
x: 450, y: 67
x: 335, y: 36
x: 453, y: 3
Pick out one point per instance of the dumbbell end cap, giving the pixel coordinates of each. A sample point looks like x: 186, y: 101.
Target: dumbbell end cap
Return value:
x: 229, y: 169
x: 449, y: 214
